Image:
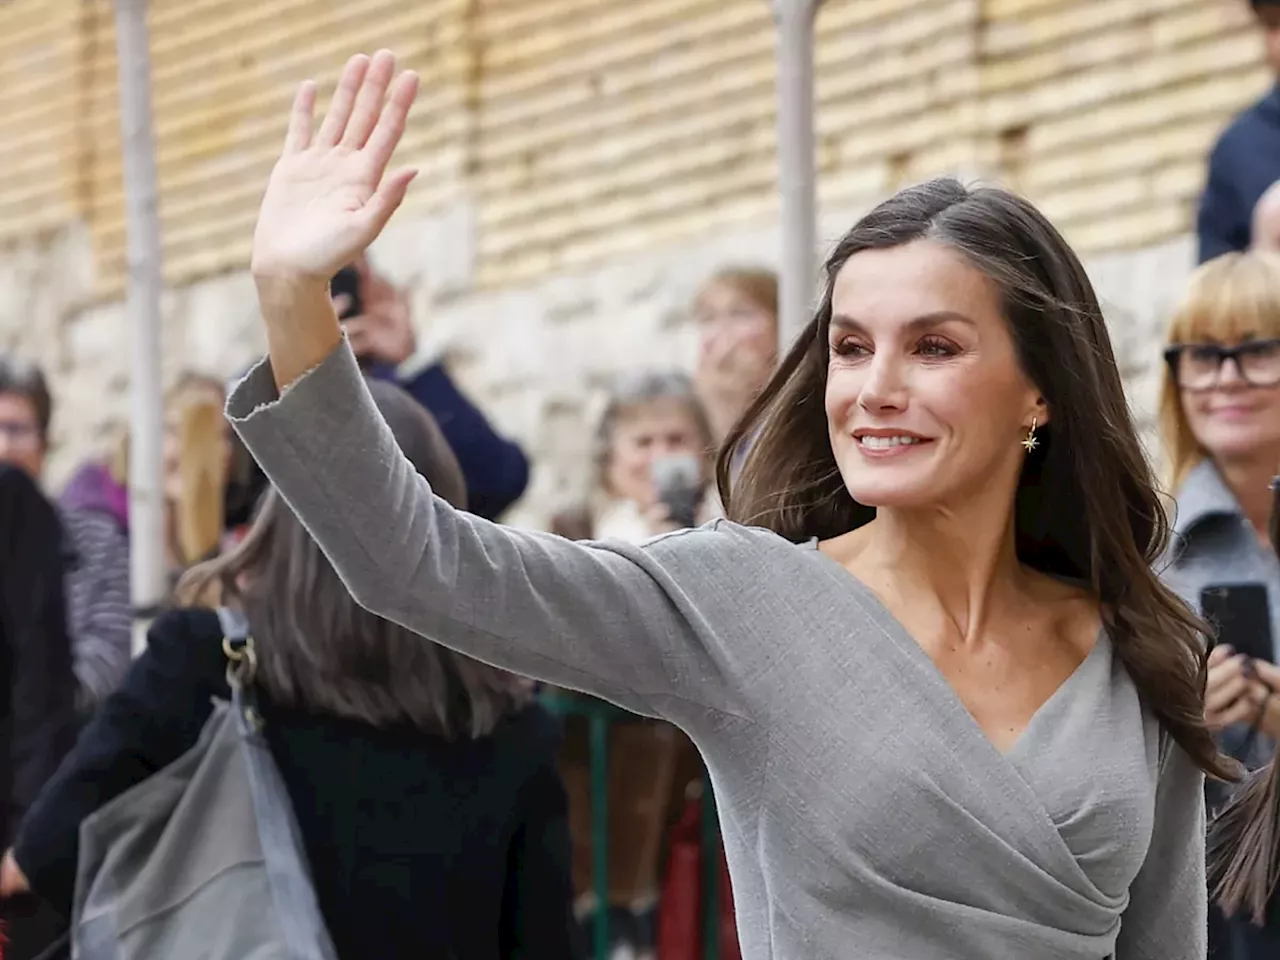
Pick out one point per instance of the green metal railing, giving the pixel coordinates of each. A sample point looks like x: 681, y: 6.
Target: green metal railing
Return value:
x: 600, y: 716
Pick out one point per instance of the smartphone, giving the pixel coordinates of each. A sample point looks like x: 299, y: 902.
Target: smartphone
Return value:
x: 678, y: 482
x: 346, y: 282
x: 1241, y: 617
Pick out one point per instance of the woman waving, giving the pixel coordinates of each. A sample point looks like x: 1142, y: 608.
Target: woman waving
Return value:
x: 947, y: 708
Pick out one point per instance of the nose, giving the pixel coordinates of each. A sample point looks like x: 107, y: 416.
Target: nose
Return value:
x: 885, y: 387
x: 1229, y: 374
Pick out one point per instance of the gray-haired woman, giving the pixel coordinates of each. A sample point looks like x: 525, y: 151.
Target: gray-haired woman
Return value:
x: 424, y: 782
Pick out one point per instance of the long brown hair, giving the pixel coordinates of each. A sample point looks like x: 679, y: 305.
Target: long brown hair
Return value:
x: 318, y: 648
x: 1086, y: 505
x: 1244, y: 840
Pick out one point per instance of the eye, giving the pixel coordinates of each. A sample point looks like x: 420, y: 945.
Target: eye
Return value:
x: 936, y: 347
x: 849, y: 347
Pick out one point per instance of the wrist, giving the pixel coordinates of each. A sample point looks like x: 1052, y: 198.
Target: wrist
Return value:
x: 276, y: 289
x: 302, y: 327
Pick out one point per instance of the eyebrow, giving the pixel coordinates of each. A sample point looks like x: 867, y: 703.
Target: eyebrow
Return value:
x: 846, y: 322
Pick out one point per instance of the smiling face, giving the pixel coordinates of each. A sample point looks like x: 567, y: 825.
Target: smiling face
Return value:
x: 1225, y: 403
x: 926, y: 401
x: 1234, y: 419
x: 658, y: 428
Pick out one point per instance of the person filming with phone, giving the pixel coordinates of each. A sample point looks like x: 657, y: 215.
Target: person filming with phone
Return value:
x: 1220, y: 414
x: 377, y: 319
x: 652, y: 459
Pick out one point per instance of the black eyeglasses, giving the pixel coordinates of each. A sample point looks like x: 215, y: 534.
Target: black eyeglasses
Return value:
x: 1198, y: 366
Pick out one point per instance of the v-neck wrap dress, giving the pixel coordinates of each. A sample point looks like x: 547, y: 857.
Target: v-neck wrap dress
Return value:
x: 865, y: 813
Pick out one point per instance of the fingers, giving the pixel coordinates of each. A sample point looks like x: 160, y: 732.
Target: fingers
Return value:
x: 1268, y: 673
x: 1226, y: 669
x: 298, y: 136
x: 386, y: 135
x: 375, y: 214
x: 369, y: 101
x: 357, y: 330
x: 344, y: 98
x: 1220, y: 653
x: 1222, y: 697
x: 12, y: 880
x: 1244, y: 710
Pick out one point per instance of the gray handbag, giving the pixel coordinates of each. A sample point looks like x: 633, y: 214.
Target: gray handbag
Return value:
x: 204, y: 858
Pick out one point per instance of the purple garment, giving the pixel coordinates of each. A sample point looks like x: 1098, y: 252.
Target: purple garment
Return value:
x: 93, y: 488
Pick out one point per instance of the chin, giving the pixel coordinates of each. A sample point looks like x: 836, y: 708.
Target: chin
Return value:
x: 1233, y: 444
x: 892, y: 489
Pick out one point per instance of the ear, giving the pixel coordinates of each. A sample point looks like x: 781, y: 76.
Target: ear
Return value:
x: 1040, y: 410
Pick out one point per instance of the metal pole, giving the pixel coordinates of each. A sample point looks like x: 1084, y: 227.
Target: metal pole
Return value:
x: 146, y: 503
x: 794, y: 20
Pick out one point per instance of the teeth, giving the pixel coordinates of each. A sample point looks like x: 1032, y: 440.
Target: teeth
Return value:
x: 882, y: 443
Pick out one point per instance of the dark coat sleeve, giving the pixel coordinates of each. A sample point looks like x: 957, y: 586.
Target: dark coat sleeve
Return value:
x: 155, y: 716
x: 1224, y: 221
x: 40, y: 686
x: 495, y: 469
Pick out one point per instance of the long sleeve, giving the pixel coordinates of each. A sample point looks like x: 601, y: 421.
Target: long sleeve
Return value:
x: 1223, y: 224
x: 100, y: 613
x: 1167, y: 916
x: 537, y: 908
x: 152, y: 719
x: 607, y: 619
x: 33, y: 615
x: 495, y: 468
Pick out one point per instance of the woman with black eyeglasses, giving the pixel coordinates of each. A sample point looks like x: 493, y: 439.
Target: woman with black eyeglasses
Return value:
x: 1220, y: 416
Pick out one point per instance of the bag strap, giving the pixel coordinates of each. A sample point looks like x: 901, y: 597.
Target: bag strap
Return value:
x: 284, y: 854
x: 237, y: 644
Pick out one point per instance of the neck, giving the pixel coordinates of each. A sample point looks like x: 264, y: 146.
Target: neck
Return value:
x: 960, y: 561
x: 1249, y: 482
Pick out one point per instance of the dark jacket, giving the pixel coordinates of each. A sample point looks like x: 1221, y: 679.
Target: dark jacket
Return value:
x: 1244, y: 162
x: 37, y: 682
x: 495, y: 468
x: 419, y: 847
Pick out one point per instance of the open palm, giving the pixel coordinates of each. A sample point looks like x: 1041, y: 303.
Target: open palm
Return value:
x: 329, y: 194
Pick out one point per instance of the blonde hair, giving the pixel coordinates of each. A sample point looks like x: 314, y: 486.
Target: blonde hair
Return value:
x: 1231, y: 298
x: 199, y: 512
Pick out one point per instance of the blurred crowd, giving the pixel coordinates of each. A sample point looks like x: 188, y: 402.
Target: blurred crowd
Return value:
x: 651, y: 472
x: 482, y: 844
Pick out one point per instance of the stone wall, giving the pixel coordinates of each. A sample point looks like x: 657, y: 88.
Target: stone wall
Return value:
x: 584, y: 164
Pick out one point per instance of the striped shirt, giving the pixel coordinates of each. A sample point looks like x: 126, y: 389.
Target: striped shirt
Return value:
x: 98, y: 609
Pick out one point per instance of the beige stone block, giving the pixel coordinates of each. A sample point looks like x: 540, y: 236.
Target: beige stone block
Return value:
x: 1131, y: 229
x: 1219, y: 96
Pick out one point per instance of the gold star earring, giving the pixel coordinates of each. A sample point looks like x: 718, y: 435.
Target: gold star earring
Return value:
x: 1031, y: 442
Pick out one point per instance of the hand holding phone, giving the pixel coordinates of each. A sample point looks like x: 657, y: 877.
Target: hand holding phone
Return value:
x: 1241, y: 617
x: 346, y: 284
x: 678, y: 483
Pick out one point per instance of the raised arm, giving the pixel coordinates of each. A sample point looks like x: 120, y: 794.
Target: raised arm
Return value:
x: 608, y: 620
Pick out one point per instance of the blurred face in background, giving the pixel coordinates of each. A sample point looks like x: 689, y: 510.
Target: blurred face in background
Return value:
x: 737, y: 339
x: 1222, y: 393
x: 644, y: 433
x: 21, y: 443
x: 1232, y: 404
